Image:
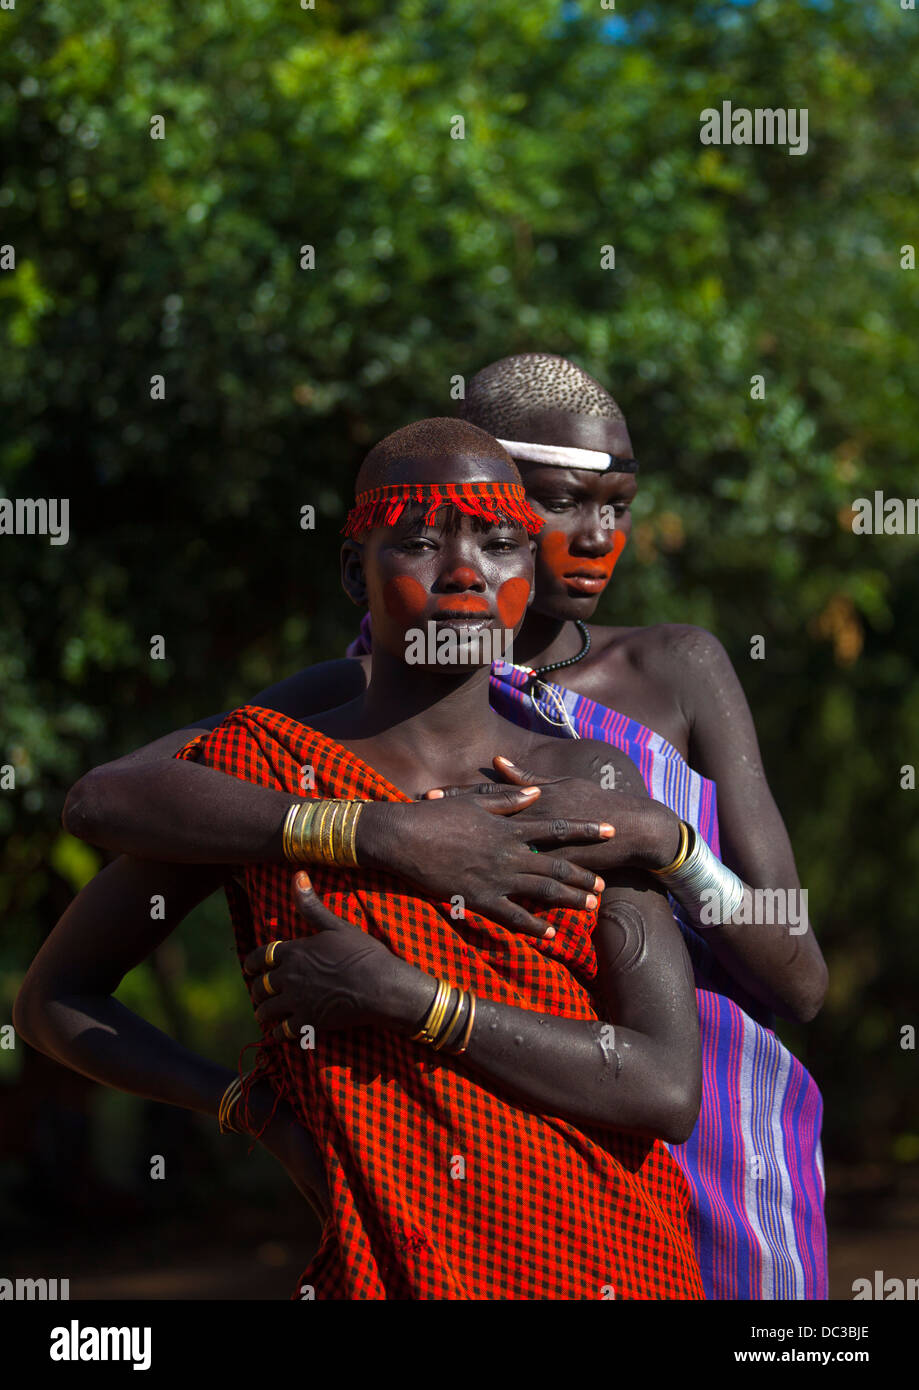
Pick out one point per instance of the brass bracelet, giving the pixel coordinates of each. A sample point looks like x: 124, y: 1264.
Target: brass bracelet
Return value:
x: 449, y: 1024
x: 322, y: 832
x: 457, y: 1051
x: 437, y: 1016
x: 681, y: 855
x: 435, y: 1012
x: 290, y: 817
x: 303, y: 830
x: 228, y: 1101
x: 454, y: 1025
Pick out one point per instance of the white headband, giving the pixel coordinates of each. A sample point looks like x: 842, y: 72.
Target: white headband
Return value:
x: 561, y: 455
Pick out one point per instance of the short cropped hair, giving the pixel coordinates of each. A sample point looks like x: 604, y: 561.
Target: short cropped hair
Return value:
x: 501, y: 394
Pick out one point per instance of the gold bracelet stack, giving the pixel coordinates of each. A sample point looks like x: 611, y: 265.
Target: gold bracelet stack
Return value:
x: 228, y: 1102
x: 441, y: 1025
x: 322, y: 832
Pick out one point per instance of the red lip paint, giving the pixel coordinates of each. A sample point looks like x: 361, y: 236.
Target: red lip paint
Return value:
x: 461, y: 603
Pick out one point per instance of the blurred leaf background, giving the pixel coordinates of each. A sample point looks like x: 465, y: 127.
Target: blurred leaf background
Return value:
x: 330, y: 127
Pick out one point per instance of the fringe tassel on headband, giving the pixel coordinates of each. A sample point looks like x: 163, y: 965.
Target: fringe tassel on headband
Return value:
x: 494, y: 502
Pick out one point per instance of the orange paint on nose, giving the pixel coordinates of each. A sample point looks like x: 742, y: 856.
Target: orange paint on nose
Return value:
x: 512, y: 600
x: 404, y: 598
x: 465, y: 576
x: 553, y: 549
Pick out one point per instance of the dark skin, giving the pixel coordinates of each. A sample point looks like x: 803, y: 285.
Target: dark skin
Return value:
x: 643, y: 1073
x: 674, y: 678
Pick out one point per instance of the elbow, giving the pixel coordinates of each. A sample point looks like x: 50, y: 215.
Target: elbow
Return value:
x: 682, y: 1111
x: 672, y: 1100
x: 24, y: 1015
x: 806, y: 1003
x: 681, y: 1098
x: 80, y: 816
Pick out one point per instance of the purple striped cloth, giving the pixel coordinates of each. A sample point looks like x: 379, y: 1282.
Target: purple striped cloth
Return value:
x: 754, y: 1162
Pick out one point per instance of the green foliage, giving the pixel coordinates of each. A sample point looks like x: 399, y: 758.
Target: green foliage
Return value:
x: 330, y: 127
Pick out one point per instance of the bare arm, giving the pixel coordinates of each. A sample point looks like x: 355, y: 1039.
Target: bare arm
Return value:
x: 641, y: 1071
x: 151, y: 805
x: 154, y: 806
x: 66, y: 1010
x: 778, y: 962
x: 771, y: 949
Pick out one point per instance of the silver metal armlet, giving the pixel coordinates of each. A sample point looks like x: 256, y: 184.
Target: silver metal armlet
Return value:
x: 709, y: 892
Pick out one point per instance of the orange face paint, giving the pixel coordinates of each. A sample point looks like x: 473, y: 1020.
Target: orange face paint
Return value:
x: 405, y: 599
x: 512, y: 600
x: 461, y: 603
x: 554, y: 552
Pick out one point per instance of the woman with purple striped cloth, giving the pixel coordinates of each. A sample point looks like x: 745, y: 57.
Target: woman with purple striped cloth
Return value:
x: 668, y: 697
x: 754, y: 1161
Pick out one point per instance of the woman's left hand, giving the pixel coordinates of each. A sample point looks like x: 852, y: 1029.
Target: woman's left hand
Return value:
x: 337, y: 978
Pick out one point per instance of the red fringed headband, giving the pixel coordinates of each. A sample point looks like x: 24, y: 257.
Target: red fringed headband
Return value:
x: 494, y: 502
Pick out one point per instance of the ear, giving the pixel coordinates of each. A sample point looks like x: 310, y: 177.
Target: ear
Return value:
x: 352, y: 572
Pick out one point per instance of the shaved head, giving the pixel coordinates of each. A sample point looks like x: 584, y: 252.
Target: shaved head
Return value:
x: 542, y: 398
x: 501, y: 393
x: 438, y: 450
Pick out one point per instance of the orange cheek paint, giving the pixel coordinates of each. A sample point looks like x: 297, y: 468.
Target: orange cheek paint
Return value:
x: 405, y: 599
x: 553, y: 550
x: 512, y: 600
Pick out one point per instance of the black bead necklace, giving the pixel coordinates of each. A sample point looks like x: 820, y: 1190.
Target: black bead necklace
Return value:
x: 569, y: 661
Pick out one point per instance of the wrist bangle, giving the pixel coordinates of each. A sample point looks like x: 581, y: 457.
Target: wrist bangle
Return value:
x: 467, y: 1033
x: 701, y: 883
x: 681, y: 852
x: 228, y: 1103
x: 431, y: 1014
x: 322, y: 832
x: 444, y: 1020
x: 449, y: 1029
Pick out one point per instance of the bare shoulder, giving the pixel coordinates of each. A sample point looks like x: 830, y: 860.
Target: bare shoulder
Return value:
x: 659, y: 645
x: 316, y: 688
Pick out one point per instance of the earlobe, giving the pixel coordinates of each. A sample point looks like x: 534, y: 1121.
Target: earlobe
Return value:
x: 352, y: 573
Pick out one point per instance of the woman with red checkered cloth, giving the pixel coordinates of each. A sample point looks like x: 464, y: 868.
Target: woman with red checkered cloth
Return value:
x: 478, y: 1113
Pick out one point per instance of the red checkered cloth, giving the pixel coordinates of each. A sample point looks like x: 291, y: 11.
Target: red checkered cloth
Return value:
x: 442, y: 1186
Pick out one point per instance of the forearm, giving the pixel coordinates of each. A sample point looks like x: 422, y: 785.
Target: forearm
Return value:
x: 102, y: 1039
x: 777, y: 961
x: 768, y: 946
x: 588, y: 1072
x: 170, y: 809
x: 766, y: 943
